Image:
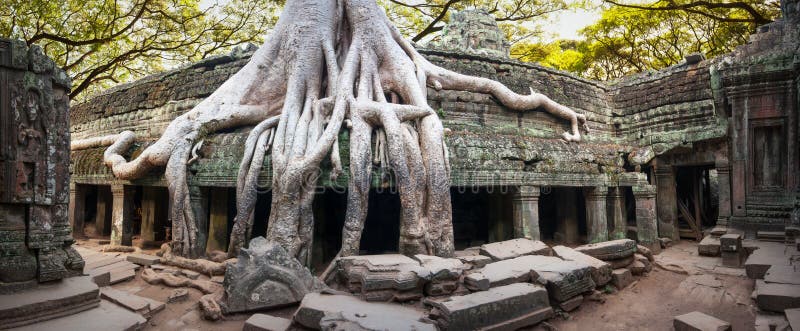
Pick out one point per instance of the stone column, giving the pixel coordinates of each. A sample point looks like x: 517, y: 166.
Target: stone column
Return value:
x: 198, y: 197
x: 646, y: 228
x: 526, y: 212
x: 667, y: 202
x: 77, y: 208
x: 121, y: 215
x: 596, y: 220
x: 218, y: 221
x: 103, y: 214
x: 566, y: 215
x: 618, y: 218
x: 724, y: 191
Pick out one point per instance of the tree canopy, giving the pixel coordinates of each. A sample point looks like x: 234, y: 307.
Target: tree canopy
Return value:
x: 104, y: 42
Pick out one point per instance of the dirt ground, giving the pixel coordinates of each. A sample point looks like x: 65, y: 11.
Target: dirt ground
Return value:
x: 650, y: 303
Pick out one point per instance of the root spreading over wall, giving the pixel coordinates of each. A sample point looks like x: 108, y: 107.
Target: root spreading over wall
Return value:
x: 327, y: 66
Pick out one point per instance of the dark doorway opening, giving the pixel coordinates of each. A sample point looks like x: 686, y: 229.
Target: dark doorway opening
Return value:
x: 330, y: 208
x: 382, y: 227
x: 698, y: 206
x: 481, y: 215
x: 562, y: 215
x: 261, y: 214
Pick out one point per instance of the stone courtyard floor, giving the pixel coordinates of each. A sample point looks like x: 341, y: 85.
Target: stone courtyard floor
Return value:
x: 692, y: 283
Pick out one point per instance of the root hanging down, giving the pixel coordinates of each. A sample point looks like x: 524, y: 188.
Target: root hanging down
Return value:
x: 327, y: 66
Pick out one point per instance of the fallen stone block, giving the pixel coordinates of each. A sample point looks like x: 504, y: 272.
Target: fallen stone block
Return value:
x: 648, y: 266
x: 507, y: 307
x: 105, y: 316
x: 777, y: 297
x: 601, y: 271
x: 620, y: 263
x: 766, y: 321
x: 102, y: 279
x: 646, y: 252
x: 730, y: 242
x: 143, y: 259
x: 697, y: 321
x: 264, y: 322
x: 266, y: 276
x: 144, y: 306
x: 516, y: 270
x: 565, y: 279
x: 733, y: 259
x: 609, y: 250
x: 370, y: 315
x: 709, y: 246
x: 793, y: 316
x: 119, y: 276
x: 178, y: 295
x: 621, y: 278
x: 571, y: 304
x: 760, y: 261
x: 387, y: 277
x: 510, y: 249
x: 665, y: 242
x: 637, y: 268
x: 47, y: 301
x: 718, y: 231
x: 475, y: 261
x: 190, y: 274
x: 782, y: 274
x: 444, y: 273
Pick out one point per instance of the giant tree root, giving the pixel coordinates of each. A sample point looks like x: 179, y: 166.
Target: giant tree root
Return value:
x: 327, y: 65
x: 155, y: 278
x: 206, y: 267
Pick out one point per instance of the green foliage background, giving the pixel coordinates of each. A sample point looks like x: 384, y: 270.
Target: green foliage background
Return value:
x: 105, y: 42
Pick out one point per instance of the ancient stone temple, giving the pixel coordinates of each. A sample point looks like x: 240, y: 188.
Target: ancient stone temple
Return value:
x: 664, y: 154
x: 35, y: 233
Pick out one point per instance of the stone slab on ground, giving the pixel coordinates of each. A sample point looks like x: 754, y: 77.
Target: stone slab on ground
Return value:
x: 372, y: 315
x: 620, y: 263
x: 709, y: 246
x: 718, y: 231
x: 782, y: 274
x: 505, y: 272
x: 105, y: 316
x: 637, y: 268
x: 621, y: 278
x: 507, y: 307
x: 766, y: 321
x: 564, y: 279
x: 510, y: 249
x: 609, y: 250
x: 143, y: 259
x: 730, y: 242
x: 601, y: 271
x: 761, y: 260
x: 733, y: 259
x: 144, y: 306
x: 48, y: 301
x: 103, y: 279
x: 475, y: 261
x: 793, y: 316
x: 444, y: 273
x: 119, y: 276
x: 697, y: 321
x: 777, y: 297
x: 264, y: 322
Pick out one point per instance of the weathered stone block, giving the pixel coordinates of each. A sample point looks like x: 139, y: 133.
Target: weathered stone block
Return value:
x: 793, y: 315
x: 264, y: 322
x: 646, y: 252
x: 609, y: 250
x: 564, y: 279
x: 637, y: 268
x: 48, y: 301
x: 444, y: 273
x: 144, y: 259
x: 709, y: 246
x: 384, y: 277
x: 777, y: 297
x: 571, y: 304
x: 782, y: 274
x: 730, y: 242
x: 371, y: 315
x: 620, y: 263
x: 266, y: 276
x: 718, y: 231
x: 621, y: 278
x: 510, y: 249
x: 760, y: 261
x: 507, y: 307
x: 601, y: 271
x: 733, y: 259
x: 475, y: 261
x: 504, y: 272
x: 697, y: 321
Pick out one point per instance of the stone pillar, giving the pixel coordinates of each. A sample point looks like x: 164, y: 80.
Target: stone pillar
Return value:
x: 566, y: 215
x: 218, y: 221
x: 596, y: 220
x: 526, y: 212
x: 617, y: 217
x: 724, y: 191
x: 667, y: 202
x: 198, y: 197
x: 77, y: 208
x: 121, y: 215
x: 102, y: 217
x: 646, y: 228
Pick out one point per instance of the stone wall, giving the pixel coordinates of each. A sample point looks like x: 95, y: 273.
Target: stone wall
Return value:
x: 35, y: 234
